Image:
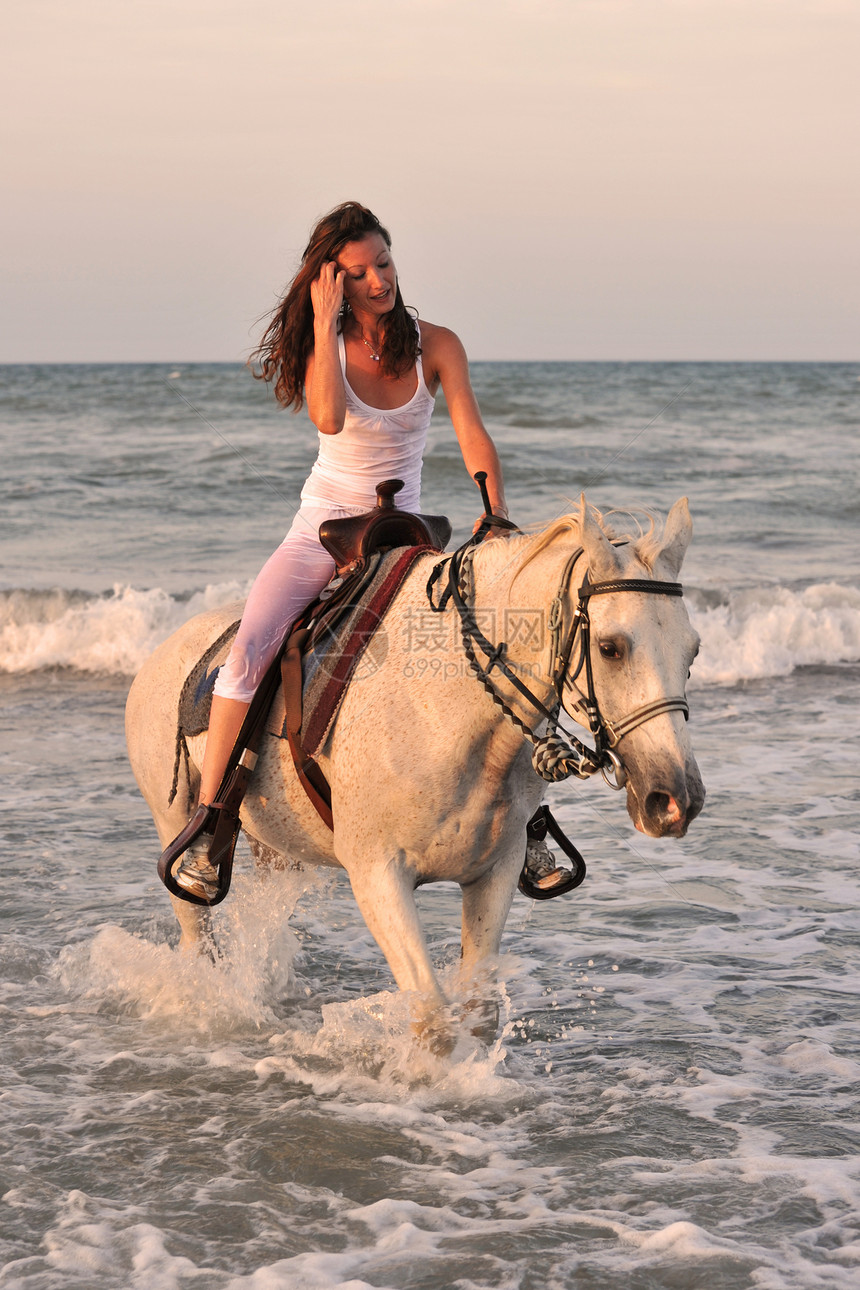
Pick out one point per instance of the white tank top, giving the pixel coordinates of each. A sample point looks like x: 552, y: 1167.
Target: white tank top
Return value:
x: 374, y: 444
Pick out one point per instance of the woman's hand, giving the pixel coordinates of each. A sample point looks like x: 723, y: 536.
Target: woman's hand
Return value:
x: 495, y: 530
x: 324, y: 390
x: 327, y: 295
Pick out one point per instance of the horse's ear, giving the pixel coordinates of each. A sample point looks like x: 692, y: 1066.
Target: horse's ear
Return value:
x: 676, y: 538
x: 603, y: 561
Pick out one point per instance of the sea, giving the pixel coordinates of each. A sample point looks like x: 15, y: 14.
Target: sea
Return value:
x: 673, y: 1098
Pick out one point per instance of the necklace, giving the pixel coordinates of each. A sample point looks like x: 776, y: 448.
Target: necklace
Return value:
x: 373, y: 354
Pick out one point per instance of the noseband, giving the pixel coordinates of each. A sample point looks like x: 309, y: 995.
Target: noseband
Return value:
x: 558, y: 755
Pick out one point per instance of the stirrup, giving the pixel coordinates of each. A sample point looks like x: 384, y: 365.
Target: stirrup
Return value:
x: 224, y: 827
x: 541, y: 823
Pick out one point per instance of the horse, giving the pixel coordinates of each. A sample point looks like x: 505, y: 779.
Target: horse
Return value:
x: 437, y: 760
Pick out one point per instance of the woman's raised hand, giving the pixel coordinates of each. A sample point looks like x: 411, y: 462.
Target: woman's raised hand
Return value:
x: 327, y: 293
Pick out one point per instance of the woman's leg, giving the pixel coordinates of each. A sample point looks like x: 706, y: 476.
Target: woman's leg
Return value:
x: 225, y: 722
x: 287, y: 583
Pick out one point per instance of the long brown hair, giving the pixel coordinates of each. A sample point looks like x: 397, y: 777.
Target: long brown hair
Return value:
x: 288, y: 341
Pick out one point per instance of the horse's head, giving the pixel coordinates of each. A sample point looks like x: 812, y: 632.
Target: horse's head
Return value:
x: 641, y: 648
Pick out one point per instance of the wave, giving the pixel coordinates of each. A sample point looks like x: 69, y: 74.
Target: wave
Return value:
x: 757, y: 633
x: 108, y: 634
x: 764, y: 632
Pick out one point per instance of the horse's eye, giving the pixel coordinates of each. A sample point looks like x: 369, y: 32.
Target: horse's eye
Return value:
x: 608, y: 649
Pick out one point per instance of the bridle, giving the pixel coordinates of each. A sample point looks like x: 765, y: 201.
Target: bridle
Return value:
x: 557, y: 754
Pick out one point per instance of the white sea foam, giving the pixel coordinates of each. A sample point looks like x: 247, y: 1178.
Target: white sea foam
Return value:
x: 256, y: 958
x: 771, y: 631
x: 110, y: 634
x: 757, y: 633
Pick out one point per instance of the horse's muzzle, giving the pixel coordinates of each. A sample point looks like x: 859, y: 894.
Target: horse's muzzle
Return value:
x: 669, y: 808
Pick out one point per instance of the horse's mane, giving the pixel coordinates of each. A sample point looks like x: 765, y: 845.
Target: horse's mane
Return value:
x: 646, y: 542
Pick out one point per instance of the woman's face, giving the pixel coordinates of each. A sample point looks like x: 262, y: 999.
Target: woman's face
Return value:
x: 370, y: 284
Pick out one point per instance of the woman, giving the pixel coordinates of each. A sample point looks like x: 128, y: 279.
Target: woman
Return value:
x: 343, y: 340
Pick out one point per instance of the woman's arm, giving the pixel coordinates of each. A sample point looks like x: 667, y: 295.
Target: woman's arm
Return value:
x: 326, y: 398
x: 446, y: 359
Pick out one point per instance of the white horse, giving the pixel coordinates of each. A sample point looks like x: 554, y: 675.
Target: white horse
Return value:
x: 430, y: 779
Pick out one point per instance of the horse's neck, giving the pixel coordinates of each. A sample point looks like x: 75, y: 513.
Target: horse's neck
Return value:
x: 495, y: 562
x: 508, y: 572
x: 513, y: 594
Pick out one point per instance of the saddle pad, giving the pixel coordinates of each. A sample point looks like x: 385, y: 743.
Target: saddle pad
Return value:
x: 195, y: 701
x: 334, y: 657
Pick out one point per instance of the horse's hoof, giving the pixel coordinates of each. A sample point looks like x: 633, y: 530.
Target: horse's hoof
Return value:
x: 434, y: 1031
x: 481, y: 1017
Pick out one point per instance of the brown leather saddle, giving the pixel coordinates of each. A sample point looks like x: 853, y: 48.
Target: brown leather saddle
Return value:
x: 352, y: 539
x: 350, y: 542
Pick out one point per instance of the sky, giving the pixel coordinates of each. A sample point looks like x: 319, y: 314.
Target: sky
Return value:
x: 563, y: 179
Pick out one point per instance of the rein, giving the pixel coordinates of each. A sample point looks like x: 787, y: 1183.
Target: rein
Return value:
x: 555, y: 755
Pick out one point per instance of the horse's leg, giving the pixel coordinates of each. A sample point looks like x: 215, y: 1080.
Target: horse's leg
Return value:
x: 195, y: 928
x: 195, y: 921
x: 151, y: 715
x: 486, y: 904
x: 386, y: 897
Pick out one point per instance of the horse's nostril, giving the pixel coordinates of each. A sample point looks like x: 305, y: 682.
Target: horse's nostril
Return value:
x: 663, y: 806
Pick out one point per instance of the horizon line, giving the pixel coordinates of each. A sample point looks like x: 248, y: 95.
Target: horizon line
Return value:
x: 237, y: 362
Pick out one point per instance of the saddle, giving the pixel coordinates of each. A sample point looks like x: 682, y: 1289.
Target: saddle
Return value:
x: 349, y: 541
x: 322, y: 656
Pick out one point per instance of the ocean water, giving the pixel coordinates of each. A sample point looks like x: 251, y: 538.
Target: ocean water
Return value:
x: 672, y: 1100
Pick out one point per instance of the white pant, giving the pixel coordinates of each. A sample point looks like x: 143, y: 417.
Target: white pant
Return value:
x: 287, y: 583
